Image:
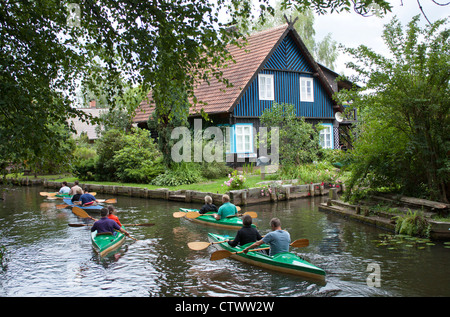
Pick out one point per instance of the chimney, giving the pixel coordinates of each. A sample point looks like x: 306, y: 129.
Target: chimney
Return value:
x: 92, y: 104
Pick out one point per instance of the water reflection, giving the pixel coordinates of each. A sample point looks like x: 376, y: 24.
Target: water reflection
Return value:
x: 49, y: 258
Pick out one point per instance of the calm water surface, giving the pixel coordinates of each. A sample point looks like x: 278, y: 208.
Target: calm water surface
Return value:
x: 46, y: 257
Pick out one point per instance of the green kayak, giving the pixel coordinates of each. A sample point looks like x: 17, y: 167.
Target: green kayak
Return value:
x: 285, y: 262
x: 208, y: 219
x: 64, y: 195
x: 106, y: 242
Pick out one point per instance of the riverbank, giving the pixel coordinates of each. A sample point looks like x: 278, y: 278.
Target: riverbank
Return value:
x: 382, y: 212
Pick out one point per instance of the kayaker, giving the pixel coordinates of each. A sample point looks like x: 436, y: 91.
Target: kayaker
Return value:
x: 104, y: 224
x: 75, y: 188
x: 246, y: 234
x: 64, y: 189
x: 277, y: 239
x: 208, y: 206
x: 227, y: 208
x: 87, y: 199
x: 76, y: 197
x: 112, y: 216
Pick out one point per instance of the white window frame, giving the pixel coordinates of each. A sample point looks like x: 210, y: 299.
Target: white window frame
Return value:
x: 306, y: 89
x: 243, y: 135
x: 266, y: 87
x: 326, y: 136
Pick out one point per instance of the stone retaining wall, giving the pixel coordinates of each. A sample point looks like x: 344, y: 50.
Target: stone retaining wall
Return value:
x: 268, y: 193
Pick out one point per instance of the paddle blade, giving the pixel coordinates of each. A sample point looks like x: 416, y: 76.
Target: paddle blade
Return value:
x: 179, y: 214
x: 192, y: 215
x: 251, y: 214
x: 197, y: 246
x: 77, y: 225
x: 61, y: 206
x: 107, y: 201
x: 221, y: 254
x: 44, y: 193
x: 300, y: 243
x: 80, y: 212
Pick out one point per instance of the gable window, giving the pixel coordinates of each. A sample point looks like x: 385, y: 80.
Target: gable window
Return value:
x: 244, y: 138
x: 326, y: 136
x: 306, y: 89
x: 265, y: 82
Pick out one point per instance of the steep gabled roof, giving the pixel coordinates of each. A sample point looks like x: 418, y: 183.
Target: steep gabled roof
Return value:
x: 249, y: 60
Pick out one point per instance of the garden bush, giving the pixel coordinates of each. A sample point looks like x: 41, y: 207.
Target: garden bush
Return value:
x: 214, y: 170
x: 139, y: 160
x: 235, y: 181
x: 179, y: 174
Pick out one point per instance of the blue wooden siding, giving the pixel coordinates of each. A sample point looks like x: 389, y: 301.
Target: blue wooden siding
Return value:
x: 288, y: 56
x: 288, y: 59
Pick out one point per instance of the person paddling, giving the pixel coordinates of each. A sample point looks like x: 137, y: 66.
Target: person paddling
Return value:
x: 64, y: 189
x: 208, y: 206
x: 87, y: 199
x: 227, y: 208
x: 246, y: 234
x: 112, y: 216
x: 277, y: 239
x: 105, y: 225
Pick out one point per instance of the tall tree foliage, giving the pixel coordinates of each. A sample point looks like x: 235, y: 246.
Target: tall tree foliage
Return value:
x: 403, y: 138
x: 299, y: 141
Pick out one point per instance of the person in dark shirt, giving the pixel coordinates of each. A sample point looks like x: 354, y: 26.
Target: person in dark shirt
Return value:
x: 104, y: 224
x: 76, y: 196
x: 87, y: 199
x: 246, y: 234
x: 208, y: 206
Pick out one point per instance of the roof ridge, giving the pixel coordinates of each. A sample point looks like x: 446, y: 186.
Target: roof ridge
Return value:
x: 269, y: 30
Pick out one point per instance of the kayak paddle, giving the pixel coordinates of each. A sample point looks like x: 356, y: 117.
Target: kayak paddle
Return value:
x: 195, y: 214
x: 81, y: 213
x: 199, y: 245
x: 222, y: 254
x: 126, y: 225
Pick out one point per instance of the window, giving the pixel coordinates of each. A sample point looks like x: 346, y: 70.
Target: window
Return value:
x: 326, y: 136
x: 306, y: 89
x: 265, y: 82
x: 244, y: 138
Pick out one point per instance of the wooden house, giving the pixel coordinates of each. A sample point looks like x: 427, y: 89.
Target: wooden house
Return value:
x: 275, y: 66
x: 86, y: 127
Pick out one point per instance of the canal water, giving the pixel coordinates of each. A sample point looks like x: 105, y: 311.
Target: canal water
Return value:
x: 46, y: 257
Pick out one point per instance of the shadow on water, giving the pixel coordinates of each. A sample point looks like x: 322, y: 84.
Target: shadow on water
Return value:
x: 46, y: 257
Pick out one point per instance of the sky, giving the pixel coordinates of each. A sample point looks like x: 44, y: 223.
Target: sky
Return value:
x: 352, y: 30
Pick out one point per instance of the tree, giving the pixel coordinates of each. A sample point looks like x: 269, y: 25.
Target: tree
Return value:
x: 403, y: 137
x: 44, y: 53
x: 298, y: 141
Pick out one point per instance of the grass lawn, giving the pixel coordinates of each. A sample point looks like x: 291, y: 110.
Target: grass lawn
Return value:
x: 306, y: 174
x: 212, y: 186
